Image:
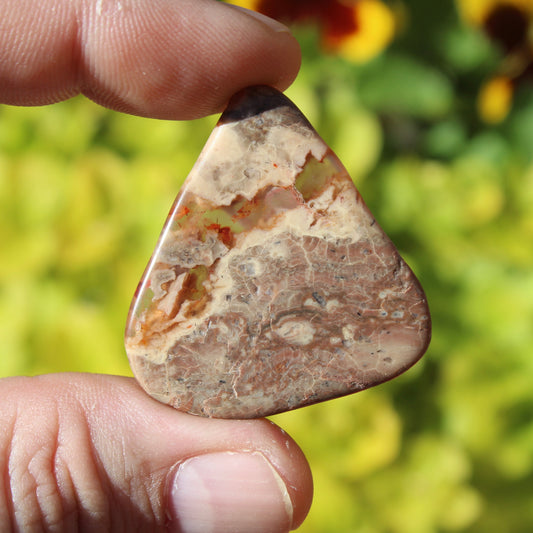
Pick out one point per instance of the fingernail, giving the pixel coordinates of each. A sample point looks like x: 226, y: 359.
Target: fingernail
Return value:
x: 229, y: 492
x: 271, y: 23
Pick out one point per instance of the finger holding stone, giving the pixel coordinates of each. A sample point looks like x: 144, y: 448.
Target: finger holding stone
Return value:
x: 179, y: 59
x: 97, y: 453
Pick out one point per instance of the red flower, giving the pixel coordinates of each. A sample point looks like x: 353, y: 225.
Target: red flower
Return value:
x: 356, y: 29
x: 337, y: 19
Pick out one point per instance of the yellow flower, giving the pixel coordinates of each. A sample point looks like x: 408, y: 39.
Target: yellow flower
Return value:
x: 248, y: 4
x: 508, y: 24
x: 495, y: 99
x: 477, y: 11
x: 375, y: 30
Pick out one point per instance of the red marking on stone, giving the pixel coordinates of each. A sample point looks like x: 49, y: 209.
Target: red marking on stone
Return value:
x: 183, y: 211
x: 224, y: 232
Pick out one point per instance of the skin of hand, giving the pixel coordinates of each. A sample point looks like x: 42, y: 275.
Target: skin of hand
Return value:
x: 94, y: 453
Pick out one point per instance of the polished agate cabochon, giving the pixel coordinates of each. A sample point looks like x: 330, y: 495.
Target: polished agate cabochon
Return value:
x: 272, y: 286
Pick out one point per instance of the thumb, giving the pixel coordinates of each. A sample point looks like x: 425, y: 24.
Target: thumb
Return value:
x: 95, y: 453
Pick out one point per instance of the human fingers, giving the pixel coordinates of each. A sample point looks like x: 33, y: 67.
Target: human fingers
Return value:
x: 171, y: 59
x: 95, y: 453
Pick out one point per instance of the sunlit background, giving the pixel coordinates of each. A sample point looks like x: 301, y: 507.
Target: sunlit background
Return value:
x: 430, y: 106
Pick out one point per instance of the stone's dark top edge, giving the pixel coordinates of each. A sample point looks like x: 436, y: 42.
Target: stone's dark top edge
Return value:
x: 254, y: 101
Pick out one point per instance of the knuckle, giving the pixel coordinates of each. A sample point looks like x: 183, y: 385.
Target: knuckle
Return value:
x: 61, y: 471
x: 35, y: 499
x: 50, y: 480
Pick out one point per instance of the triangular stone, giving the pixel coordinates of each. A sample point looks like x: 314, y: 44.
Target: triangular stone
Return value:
x: 272, y: 286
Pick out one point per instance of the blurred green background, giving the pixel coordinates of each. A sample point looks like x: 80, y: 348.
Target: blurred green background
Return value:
x: 426, y: 106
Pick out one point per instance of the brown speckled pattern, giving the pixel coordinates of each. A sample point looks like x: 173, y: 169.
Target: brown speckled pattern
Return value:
x: 272, y: 286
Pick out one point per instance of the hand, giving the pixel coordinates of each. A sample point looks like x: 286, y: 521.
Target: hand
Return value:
x: 95, y: 453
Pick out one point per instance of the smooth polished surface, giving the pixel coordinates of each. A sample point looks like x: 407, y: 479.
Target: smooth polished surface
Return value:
x: 272, y: 286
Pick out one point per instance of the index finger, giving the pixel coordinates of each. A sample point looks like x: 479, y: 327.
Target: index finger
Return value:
x: 171, y: 59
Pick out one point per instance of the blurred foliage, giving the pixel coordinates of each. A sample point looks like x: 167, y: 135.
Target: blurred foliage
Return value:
x: 447, y: 446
